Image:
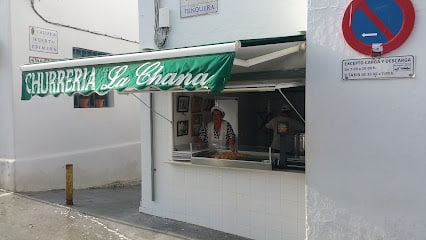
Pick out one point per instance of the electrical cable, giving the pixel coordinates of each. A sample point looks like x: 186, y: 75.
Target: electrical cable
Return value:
x: 160, y: 33
x: 152, y: 110
x: 77, y: 28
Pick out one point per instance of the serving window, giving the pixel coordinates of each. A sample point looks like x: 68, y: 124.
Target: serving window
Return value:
x: 248, y: 112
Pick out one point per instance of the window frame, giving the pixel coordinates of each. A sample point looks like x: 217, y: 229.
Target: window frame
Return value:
x: 93, y: 98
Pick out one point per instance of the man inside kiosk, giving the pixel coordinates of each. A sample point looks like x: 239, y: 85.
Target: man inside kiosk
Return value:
x: 284, y: 129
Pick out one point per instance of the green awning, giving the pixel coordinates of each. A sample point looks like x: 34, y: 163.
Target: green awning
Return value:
x: 191, y: 70
x: 253, y: 63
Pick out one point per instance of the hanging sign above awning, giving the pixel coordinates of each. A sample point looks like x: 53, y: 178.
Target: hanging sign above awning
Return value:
x: 208, y: 71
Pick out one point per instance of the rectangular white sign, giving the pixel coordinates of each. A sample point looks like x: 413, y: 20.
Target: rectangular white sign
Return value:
x: 43, y: 40
x: 378, y: 68
x: 191, y: 8
x: 39, y: 60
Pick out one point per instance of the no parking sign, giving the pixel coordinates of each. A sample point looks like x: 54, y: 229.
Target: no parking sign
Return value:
x: 376, y: 27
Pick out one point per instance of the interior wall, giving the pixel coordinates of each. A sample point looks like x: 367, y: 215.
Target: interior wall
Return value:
x: 248, y: 130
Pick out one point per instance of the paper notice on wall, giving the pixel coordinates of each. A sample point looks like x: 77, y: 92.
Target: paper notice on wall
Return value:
x: 191, y: 8
x: 39, y: 60
x: 43, y: 40
x: 378, y: 68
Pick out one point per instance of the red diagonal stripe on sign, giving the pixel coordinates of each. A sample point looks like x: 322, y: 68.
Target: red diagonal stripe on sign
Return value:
x: 376, y: 21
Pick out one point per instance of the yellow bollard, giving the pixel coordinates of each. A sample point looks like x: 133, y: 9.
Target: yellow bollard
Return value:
x: 69, y: 184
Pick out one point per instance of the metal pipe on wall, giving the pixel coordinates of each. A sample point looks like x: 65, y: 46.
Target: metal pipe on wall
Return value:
x: 153, y: 169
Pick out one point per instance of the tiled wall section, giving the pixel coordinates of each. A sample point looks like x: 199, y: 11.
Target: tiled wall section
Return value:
x: 251, y: 203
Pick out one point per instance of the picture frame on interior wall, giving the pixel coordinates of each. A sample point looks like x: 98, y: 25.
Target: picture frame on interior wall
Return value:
x: 183, y: 104
x: 182, y: 128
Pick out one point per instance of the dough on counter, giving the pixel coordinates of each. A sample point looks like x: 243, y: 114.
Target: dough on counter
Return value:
x: 228, y: 155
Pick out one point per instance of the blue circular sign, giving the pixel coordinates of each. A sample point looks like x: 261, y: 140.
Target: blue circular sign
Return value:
x: 387, y: 23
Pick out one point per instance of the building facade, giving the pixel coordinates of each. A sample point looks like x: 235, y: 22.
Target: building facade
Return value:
x: 365, y: 136
x: 360, y: 99
x: 258, y: 204
x: 39, y: 137
x: 364, y: 127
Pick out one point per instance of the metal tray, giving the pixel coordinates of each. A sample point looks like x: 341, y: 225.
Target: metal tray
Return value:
x: 251, y: 160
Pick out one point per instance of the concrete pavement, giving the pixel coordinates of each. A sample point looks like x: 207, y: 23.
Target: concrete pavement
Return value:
x: 98, y: 213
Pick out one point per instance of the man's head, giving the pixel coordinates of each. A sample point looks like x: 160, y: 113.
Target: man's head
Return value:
x: 285, y: 108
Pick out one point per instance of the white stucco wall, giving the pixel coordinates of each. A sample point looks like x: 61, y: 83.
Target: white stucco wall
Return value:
x: 112, y: 17
x: 365, y: 138
x: 251, y: 203
x: 47, y: 133
x: 234, y: 20
x: 6, y: 146
x: 257, y: 204
x: 6, y: 111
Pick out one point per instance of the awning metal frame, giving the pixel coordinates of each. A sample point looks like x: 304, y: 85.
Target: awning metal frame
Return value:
x: 270, y: 56
x: 248, y: 81
x: 134, y: 57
